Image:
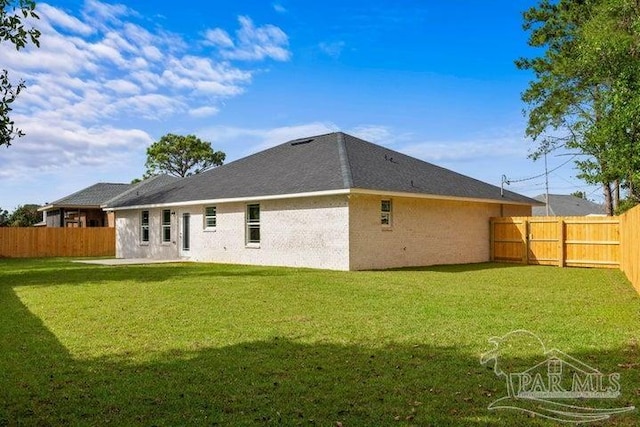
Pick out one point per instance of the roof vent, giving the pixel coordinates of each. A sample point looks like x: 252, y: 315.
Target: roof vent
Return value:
x: 389, y: 159
x: 300, y: 142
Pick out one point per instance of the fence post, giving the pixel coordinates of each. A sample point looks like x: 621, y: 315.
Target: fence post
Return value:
x: 492, y: 240
x: 622, y: 240
x: 525, y: 242
x: 561, y: 235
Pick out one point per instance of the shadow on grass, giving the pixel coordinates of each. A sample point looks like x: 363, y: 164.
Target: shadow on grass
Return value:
x: 460, y: 268
x: 62, y: 272
x: 278, y: 381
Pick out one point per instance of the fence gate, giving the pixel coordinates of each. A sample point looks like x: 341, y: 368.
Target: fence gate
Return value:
x: 561, y: 241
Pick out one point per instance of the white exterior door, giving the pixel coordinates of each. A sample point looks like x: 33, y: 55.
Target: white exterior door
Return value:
x: 185, y: 235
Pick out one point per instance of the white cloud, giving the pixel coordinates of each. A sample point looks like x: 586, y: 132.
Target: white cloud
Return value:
x: 283, y: 134
x: 151, y: 106
x: 252, y: 43
x: 123, y: 87
x: 192, y: 72
x: 469, y: 150
x: 103, y: 51
x: 98, y: 12
x: 204, y: 111
x: 499, y: 143
x: 218, y: 37
x: 58, y: 54
x: 68, y: 145
x: 104, y: 74
x: 333, y: 49
x: 57, y: 18
x: 152, y: 53
x: 278, y: 7
x: 374, y: 133
x: 254, y: 140
x: 217, y: 88
x: 148, y: 80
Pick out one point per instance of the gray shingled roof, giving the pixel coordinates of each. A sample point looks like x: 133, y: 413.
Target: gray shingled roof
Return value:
x: 149, y: 185
x: 567, y: 205
x: 322, y: 163
x: 93, y: 196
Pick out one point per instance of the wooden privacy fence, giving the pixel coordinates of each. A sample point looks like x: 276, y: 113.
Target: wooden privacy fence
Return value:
x: 579, y: 241
x: 18, y: 242
x: 630, y: 237
x: 562, y: 241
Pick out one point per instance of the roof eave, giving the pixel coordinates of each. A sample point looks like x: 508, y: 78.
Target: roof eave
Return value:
x: 230, y: 200
x: 500, y: 201
x: 336, y: 192
x: 67, y: 206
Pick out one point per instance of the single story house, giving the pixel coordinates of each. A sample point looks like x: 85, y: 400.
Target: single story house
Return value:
x: 331, y: 201
x: 566, y: 205
x: 84, y: 207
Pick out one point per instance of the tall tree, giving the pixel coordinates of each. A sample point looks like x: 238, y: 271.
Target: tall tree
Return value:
x: 566, y: 100
x: 611, y: 45
x: 586, y: 92
x: 13, y: 14
x: 181, y: 156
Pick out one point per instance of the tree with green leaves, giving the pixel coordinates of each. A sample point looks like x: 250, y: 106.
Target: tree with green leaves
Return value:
x: 13, y: 16
x: 4, y: 217
x: 608, y: 46
x: 25, y: 216
x: 626, y: 204
x: 181, y: 156
x: 585, y: 94
x: 611, y: 44
x: 579, y: 195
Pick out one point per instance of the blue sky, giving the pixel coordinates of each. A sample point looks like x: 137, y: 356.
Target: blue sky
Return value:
x: 434, y: 80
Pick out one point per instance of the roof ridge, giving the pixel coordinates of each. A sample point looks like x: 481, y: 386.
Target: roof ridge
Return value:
x: 345, y: 166
x: 127, y: 191
x: 137, y: 186
x: 308, y: 137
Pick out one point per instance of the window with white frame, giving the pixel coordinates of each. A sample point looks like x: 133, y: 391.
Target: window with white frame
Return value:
x: 253, y: 225
x: 166, y: 225
x: 385, y: 213
x: 144, y: 227
x: 210, y: 219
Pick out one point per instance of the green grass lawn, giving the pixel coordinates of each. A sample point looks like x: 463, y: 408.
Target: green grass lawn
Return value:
x: 203, y: 344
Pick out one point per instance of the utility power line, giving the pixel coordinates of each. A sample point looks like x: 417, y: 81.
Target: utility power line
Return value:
x: 545, y: 174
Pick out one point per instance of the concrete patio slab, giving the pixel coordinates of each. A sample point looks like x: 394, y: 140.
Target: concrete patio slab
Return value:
x: 128, y: 261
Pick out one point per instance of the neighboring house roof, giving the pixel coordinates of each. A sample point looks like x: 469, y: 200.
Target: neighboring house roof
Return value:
x: 567, y: 205
x: 90, y: 197
x: 324, y: 163
x: 98, y: 194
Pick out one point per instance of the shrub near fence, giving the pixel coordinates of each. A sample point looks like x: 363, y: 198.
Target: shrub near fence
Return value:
x: 31, y: 242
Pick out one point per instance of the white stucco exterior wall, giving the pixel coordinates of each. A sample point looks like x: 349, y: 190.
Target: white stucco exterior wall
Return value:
x: 423, y: 232
x: 297, y: 232
x: 329, y: 232
x: 128, y: 236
